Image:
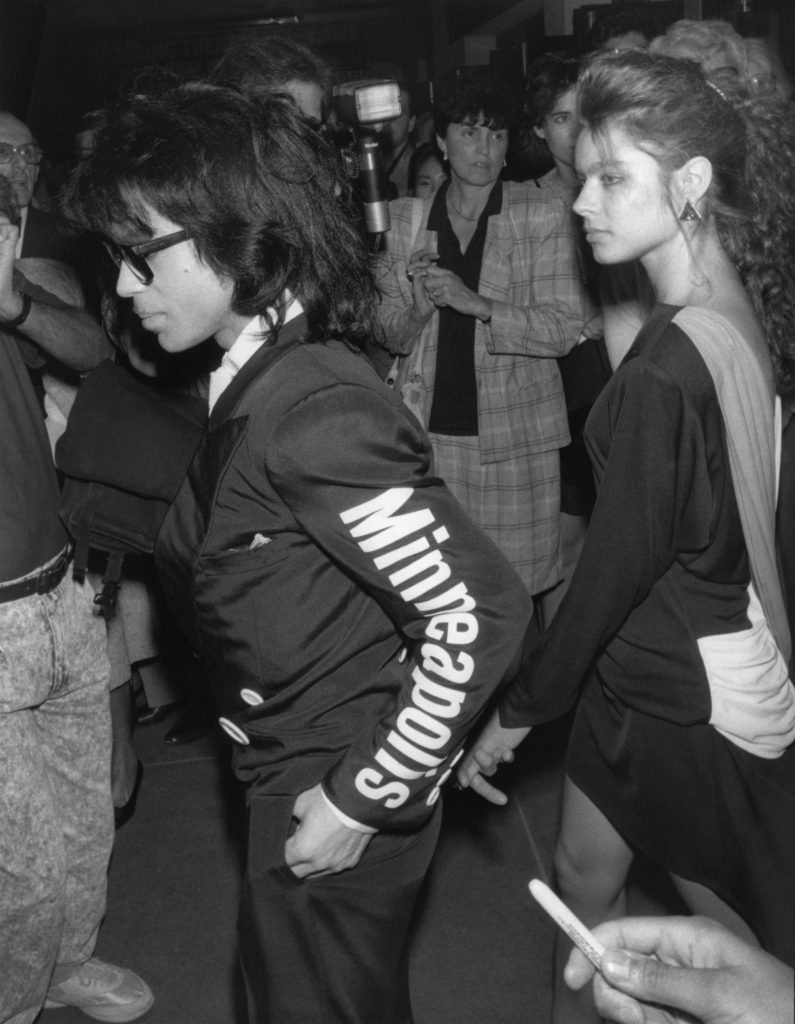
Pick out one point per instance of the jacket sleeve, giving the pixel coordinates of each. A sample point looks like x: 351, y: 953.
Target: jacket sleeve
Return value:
x: 646, y: 512
x: 353, y: 467
x: 400, y: 328
x: 549, y: 304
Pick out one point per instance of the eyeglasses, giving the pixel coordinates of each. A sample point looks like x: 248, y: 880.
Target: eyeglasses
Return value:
x: 30, y: 152
x: 134, y: 256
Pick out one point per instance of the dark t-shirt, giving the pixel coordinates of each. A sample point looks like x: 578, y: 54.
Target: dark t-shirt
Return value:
x: 31, y: 531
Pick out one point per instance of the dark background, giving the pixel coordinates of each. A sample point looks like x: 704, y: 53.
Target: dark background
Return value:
x: 60, y: 58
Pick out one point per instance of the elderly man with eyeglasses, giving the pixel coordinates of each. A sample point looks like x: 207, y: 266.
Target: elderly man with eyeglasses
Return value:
x: 41, y: 255
x: 56, y: 819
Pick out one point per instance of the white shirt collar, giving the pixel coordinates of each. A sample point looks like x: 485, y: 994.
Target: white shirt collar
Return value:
x: 248, y: 342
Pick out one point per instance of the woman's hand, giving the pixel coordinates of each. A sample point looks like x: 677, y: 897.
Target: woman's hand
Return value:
x: 417, y: 271
x: 444, y: 288
x: 494, y: 746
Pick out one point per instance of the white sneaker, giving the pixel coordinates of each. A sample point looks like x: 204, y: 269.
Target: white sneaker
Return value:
x: 104, y: 992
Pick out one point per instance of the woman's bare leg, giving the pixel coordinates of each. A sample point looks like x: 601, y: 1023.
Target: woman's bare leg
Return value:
x: 702, y: 900
x: 591, y: 866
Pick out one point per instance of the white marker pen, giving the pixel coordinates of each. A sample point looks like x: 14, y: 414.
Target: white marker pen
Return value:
x: 571, y: 925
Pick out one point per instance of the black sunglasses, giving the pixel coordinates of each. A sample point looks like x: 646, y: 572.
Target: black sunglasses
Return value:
x: 134, y: 256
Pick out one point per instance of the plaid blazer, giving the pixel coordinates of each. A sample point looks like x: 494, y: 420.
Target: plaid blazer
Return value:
x: 530, y: 271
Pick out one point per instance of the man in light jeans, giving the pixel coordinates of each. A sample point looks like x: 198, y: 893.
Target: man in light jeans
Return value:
x: 56, y: 819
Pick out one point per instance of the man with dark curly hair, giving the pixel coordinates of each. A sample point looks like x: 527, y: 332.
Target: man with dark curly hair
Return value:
x: 352, y: 620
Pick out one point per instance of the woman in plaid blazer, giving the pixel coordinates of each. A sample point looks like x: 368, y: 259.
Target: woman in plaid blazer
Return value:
x: 480, y: 294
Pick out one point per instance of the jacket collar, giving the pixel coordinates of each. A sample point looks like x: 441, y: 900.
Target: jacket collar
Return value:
x: 292, y: 333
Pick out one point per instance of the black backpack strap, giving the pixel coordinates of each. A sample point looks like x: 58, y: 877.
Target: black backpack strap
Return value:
x: 111, y: 583
x: 80, y: 562
x: 89, y: 498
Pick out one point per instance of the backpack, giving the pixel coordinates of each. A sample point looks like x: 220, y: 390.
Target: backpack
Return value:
x: 125, y: 452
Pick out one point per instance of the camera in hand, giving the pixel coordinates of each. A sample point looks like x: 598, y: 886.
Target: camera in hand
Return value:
x: 363, y: 108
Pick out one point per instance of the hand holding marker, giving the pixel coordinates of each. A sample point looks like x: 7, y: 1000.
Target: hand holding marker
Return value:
x: 571, y: 925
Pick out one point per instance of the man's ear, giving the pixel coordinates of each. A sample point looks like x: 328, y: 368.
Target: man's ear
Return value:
x: 442, y: 145
x: 540, y: 132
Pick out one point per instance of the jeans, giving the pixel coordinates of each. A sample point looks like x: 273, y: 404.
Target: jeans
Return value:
x: 56, y: 817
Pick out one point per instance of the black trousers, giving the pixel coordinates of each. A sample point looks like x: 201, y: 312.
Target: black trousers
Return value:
x: 334, y: 949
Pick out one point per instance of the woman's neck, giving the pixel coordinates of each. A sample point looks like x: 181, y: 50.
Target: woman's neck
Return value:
x: 468, y: 201
x: 701, y: 274
x: 567, y: 173
x: 690, y: 271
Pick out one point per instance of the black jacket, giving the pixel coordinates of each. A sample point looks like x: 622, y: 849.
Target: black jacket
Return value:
x: 320, y: 567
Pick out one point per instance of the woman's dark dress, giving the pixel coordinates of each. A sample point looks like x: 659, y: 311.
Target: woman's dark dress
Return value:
x: 664, y: 564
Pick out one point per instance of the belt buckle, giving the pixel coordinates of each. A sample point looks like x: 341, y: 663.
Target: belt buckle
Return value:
x: 43, y: 581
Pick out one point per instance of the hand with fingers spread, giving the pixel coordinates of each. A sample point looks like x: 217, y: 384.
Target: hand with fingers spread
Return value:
x: 672, y: 970
x: 494, y: 746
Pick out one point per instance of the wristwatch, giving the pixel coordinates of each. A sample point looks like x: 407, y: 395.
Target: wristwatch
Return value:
x: 22, y: 316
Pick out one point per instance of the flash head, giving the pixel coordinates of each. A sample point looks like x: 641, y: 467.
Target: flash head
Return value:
x: 367, y: 102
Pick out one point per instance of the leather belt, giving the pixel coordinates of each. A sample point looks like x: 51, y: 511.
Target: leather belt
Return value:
x: 41, y: 582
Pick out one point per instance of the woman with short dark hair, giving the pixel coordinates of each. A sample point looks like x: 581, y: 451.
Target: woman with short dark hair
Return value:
x: 480, y: 292
x: 550, y: 124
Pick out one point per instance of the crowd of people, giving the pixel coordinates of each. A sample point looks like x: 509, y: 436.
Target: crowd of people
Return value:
x: 564, y: 379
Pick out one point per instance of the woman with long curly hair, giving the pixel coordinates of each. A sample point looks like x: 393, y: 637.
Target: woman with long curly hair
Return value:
x: 673, y: 638
x: 730, y: 61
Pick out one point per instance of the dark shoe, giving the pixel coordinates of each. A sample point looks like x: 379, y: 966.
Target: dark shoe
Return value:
x: 190, y: 726
x: 104, y: 992
x: 150, y: 716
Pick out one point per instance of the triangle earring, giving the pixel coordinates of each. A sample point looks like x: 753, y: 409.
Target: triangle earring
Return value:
x: 689, y: 212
